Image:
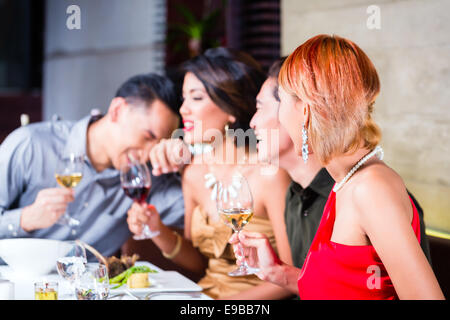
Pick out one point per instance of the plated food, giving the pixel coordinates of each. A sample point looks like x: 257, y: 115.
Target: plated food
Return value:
x: 131, y: 277
x: 123, y: 271
x: 138, y: 280
x: 116, y: 266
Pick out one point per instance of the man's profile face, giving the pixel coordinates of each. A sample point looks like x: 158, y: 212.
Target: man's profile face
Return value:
x: 141, y: 127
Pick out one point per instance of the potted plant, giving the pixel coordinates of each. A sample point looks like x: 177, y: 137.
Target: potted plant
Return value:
x: 195, y: 29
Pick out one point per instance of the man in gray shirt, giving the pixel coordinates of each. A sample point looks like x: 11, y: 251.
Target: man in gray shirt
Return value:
x: 143, y: 111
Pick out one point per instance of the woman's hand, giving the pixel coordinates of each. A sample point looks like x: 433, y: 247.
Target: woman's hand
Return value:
x: 141, y: 214
x: 257, y: 251
x: 169, y: 155
x: 260, y: 254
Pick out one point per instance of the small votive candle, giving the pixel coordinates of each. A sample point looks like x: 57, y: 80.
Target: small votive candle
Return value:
x: 46, y: 291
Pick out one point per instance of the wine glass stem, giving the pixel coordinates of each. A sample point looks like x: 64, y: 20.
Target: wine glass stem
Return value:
x: 241, y: 249
x: 146, y: 232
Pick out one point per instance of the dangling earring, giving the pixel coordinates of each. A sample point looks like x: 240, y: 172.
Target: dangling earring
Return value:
x: 304, y: 144
x: 227, y: 128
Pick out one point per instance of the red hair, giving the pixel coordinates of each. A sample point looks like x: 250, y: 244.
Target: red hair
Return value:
x: 339, y: 83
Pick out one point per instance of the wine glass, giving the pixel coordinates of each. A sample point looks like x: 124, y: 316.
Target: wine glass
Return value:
x: 235, y: 207
x: 136, y: 182
x: 72, y: 261
x: 93, y: 283
x: 69, y: 172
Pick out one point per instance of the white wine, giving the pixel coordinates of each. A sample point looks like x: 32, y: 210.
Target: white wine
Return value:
x: 70, y: 180
x: 49, y: 294
x: 236, y: 218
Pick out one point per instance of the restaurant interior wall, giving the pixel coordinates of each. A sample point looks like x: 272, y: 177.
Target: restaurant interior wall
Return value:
x: 84, y: 67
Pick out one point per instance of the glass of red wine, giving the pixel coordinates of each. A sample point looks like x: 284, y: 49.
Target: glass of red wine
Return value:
x: 136, y: 182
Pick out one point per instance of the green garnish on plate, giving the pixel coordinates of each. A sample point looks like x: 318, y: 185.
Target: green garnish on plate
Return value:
x: 122, y: 278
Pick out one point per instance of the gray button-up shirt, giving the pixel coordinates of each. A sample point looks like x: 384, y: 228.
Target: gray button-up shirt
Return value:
x: 28, y: 160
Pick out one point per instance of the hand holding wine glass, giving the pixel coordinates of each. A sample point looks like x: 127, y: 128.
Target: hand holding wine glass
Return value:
x: 235, y: 206
x: 136, y: 182
x: 258, y: 252
x: 50, y: 204
x: 139, y: 216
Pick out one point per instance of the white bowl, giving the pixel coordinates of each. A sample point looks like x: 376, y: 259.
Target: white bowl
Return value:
x: 32, y: 257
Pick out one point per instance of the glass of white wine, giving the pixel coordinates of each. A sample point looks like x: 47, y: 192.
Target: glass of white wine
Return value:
x: 68, y: 174
x: 235, y: 207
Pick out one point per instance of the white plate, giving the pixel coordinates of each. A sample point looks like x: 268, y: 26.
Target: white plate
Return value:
x: 170, y: 281
x: 153, y: 283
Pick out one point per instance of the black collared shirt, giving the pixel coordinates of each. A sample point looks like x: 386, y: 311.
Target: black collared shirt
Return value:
x: 304, y: 209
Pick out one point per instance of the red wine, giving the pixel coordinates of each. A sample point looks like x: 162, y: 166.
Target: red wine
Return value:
x: 137, y: 193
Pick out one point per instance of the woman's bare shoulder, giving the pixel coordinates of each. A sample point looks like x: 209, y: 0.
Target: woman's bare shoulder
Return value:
x: 380, y: 192
x: 378, y: 178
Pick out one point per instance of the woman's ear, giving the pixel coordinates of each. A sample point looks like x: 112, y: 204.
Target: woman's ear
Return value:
x: 231, y: 119
x: 306, y: 115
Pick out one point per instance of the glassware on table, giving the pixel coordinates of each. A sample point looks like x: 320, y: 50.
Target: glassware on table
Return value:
x: 136, y: 182
x: 6, y: 289
x: 93, y: 283
x: 235, y: 207
x: 71, y: 262
x: 68, y: 174
x: 46, y: 290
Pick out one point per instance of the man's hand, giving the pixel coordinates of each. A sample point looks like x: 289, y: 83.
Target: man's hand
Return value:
x: 49, y: 206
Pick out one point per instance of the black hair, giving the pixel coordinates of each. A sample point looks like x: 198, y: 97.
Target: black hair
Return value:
x: 149, y: 87
x: 232, y: 80
x: 273, y: 72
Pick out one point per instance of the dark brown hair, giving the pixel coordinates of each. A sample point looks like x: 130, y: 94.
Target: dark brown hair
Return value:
x: 273, y: 73
x: 232, y: 80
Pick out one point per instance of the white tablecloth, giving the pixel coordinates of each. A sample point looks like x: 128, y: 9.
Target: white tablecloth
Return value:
x: 165, y: 281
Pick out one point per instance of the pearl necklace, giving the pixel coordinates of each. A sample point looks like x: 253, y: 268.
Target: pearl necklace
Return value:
x: 380, y: 153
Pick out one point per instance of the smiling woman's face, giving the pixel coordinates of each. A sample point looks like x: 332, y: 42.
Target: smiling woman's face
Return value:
x: 199, y: 112
x: 273, y: 139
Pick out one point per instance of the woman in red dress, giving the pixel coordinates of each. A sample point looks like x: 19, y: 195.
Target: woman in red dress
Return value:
x: 367, y: 244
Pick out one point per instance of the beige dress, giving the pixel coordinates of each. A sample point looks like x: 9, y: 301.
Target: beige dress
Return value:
x: 211, y: 238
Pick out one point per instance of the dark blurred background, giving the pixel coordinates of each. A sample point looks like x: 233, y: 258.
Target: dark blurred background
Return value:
x: 47, y: 69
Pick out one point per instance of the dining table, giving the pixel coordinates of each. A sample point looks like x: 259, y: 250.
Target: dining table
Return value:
x: 164, y: 285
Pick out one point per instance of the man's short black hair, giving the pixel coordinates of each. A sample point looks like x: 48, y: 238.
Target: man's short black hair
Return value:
x: 149, y: 87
